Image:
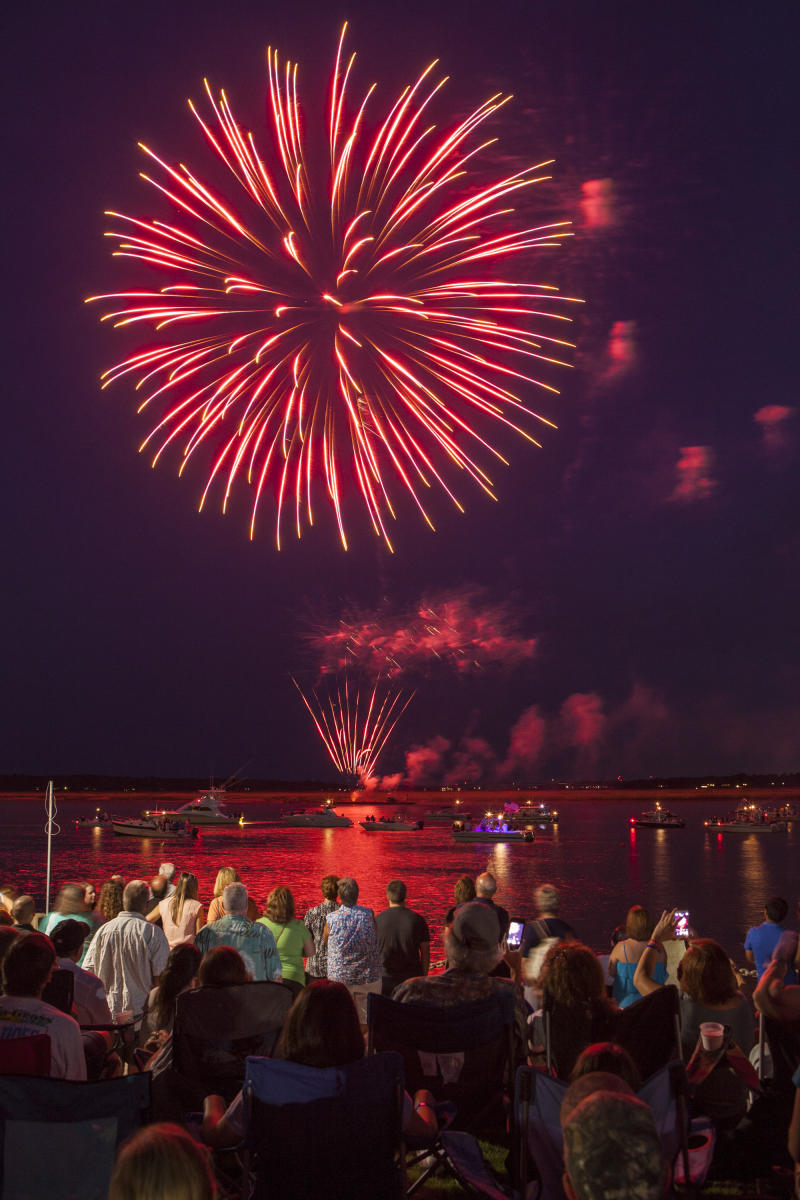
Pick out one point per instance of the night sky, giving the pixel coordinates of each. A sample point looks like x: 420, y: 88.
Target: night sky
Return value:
x: 628, y: 607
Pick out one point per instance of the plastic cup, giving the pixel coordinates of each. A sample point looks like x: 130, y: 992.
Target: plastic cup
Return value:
x: 123, y: 1018
x: 712, y: 1034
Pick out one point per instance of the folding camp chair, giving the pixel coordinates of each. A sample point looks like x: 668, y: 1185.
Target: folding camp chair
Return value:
x: 60, y: 990
x: 538, y: 1146
x: 28, y: 1055
x: 463, y: 1053
x: 334, y: 1132
x: 650, y: 1030
x: 59, y: 1138
x: 537, y: 1112
x: 217, y: 1028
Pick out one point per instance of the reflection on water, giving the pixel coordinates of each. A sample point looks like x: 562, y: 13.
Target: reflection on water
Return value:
x: 598, y: 861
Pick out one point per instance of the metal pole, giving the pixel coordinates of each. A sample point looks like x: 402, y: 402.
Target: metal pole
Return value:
x: 49, y: 828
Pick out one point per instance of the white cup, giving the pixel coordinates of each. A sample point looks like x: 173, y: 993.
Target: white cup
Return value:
x: 712, y: 1034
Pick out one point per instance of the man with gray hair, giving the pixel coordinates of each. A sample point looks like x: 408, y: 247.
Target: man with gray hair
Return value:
x: 485, y: 890
x: 253, y: 940
x: 473, y: 950
x: 167, y: 871
x: 548, y: 927
x: 612, y: 1148
x: 128, y: 954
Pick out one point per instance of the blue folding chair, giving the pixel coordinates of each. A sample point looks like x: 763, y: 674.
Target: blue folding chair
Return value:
x: 58, y: 1138
x: 334, y: 1132
x: 537, y: 1112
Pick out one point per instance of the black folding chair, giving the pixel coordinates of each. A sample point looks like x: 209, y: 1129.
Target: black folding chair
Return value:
x: 60, y: 990
x: 463, y: 1053
x: 217, y: 1028
x: 59, y: 1138
x: 334, y: 1132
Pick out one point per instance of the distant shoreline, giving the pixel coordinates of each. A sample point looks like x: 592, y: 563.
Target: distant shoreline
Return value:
x: 429, y: 797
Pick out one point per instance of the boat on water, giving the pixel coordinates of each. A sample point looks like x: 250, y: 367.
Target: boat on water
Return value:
x: 316, y: 818
x: 100, y: 820
x: 747, y: 818
x: 446, y: 814
x: 397, y: 824
x: 659, y: 818
x: 207, y: 809
x: 490, y: 829
x: 160, y: 830
x: 530, y: 814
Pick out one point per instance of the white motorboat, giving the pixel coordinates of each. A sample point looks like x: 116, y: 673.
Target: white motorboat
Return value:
x: 397, y: 824
x: 531, y: 814
x: 444, y: 815
x: 748, y: 818
x: 160, y: 830
x: 316, y: 818
x: 659, y: 818
x: 207, y: 809
x: 490, y: 829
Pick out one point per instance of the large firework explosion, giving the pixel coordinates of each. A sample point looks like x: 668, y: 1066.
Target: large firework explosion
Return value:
x: 348, y: 333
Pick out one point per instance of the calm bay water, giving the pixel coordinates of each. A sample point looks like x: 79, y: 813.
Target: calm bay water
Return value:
x: 600, y: 864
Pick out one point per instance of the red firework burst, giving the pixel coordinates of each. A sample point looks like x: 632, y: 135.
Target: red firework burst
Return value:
x: 358, y: 332
x: 353, y: 730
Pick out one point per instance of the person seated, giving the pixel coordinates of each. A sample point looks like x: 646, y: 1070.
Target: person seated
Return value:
x: 707, y: 983
x: 162, y: 1160
x: 587, y: 1084
x: 574, y: 991
x: 793, y: 1140
x: 610, y: 1059
x: 322, y: 1030
x: 473, y: 949
x: 222, y: 967
x: 23, y: 910
x: 612, y: 1148
x: 27, y: 967
x: 90, y: 1003
x: 178, y: 976
x: 625, y: 957
x: 774, y: 998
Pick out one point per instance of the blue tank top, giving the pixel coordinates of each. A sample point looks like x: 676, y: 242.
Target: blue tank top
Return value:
x: 624, y: 992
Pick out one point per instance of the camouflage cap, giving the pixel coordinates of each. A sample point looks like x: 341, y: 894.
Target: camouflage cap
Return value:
x: 612, y: 1149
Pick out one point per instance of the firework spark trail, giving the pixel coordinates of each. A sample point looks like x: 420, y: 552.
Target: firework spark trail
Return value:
x: 354, y: 732
x: 463, y: 630
x: 346, y: 336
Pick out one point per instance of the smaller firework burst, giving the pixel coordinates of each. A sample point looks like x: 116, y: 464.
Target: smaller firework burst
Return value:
x: 355, y: 725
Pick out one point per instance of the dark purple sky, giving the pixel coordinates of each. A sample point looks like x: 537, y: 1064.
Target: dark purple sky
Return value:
x: 650, y: 550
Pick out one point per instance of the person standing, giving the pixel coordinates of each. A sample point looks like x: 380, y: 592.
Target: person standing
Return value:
x: 314, y: 921
x: 254, y: 942
x: 404, y: 940
x: 292, y: 939
x: 761, y: 941
x: 128, y: 954
x: 181, y: 915
x: 352, y: 942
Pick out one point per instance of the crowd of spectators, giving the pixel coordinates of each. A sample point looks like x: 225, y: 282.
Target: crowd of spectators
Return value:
x: 136, y: 948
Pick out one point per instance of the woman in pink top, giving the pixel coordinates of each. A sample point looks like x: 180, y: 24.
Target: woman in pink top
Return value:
x: 182, y: 914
